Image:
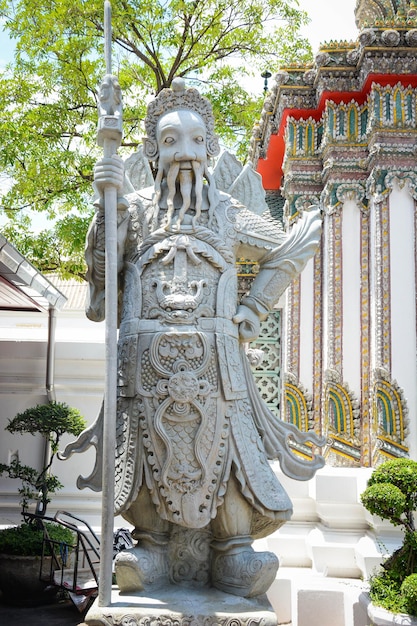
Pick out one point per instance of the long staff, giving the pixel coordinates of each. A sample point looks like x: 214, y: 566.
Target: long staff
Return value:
x: 109, y: 136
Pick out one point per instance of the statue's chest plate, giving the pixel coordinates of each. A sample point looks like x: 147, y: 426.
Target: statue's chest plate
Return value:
x: 179, y: 280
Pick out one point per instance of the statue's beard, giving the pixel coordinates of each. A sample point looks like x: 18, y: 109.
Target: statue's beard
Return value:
x: 189, y: 184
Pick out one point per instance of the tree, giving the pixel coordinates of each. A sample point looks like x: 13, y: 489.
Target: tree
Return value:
x: 391, y: 494
x: 51, y: 421
x: 49, y: 94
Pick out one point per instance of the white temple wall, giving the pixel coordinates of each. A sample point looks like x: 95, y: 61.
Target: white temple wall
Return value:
x: 393, y: 295
x: 306, y: 323
x: 22, y: 384
x: 351, y: 260
x: 403, y: 302
x: 79, y: 381
x: 325, y: 296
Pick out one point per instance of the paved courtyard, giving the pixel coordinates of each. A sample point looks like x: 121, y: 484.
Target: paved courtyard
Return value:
x: 62, y: 614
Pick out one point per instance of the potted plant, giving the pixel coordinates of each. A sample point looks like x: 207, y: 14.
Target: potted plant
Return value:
x: 391, y: 494
x: 21, y: 546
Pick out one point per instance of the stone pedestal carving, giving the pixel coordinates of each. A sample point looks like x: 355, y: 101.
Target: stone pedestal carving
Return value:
x: 178, y: 606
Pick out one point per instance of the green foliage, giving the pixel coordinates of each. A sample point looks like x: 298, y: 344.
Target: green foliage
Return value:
x: 33, y: 482
x: 386, y: 501
x: 234, y: 109
x: 388, y: 588
x: 49, y: 95
x: 384, y: 592
x: 399, y: 472
x: 392, y: 494
x: 60, y: 249
x: 409, y: 592
x: 51, y: 421
x: 26, y: 539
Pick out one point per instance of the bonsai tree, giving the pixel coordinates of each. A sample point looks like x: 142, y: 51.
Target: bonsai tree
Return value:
x: 20, y: 582
x: 52, y: 421
x: 392, y: 495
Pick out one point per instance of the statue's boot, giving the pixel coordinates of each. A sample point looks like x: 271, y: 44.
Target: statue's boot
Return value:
x: 239, y: 570
x: 145, y: 564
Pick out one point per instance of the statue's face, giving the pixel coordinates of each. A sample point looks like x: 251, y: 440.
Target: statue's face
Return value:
x: 181, y: 137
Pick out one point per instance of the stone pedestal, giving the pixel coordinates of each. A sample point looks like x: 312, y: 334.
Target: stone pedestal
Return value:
x: 180, y: 606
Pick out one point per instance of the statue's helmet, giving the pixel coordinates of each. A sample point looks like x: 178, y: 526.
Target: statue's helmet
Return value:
x: 178, y: 98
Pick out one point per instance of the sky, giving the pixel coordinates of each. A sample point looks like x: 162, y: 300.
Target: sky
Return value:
x: 330, y: 19
x: 6, y: 48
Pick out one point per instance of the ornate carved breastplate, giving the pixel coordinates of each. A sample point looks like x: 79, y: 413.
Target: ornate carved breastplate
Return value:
x: 176, y: 323
x: 180, y: 277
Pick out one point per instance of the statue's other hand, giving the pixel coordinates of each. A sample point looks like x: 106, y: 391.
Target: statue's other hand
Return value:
x: 249, y: 323
x: 109, y: 172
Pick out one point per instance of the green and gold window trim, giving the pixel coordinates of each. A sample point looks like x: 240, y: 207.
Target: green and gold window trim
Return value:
x: 268, y: 373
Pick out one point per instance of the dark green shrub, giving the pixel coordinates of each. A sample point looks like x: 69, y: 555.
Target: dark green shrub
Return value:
x: 385, y: 591
x: 409, y: 592
x: 26, y: 539
x: 386, y: 501
x: 51, y: 420
x: 392, y: 495
x: 403, y: 474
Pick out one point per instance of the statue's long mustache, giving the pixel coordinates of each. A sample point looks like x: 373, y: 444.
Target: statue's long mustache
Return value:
x: 172, y: 177
x: 184, y: 181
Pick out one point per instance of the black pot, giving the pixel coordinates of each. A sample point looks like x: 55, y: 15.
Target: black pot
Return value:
x: 20, y: 583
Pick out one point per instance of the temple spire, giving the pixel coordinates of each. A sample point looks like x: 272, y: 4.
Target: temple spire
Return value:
x: 373, y: 12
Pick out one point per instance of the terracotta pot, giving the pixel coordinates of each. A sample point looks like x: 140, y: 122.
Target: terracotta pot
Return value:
x: 19, y: 581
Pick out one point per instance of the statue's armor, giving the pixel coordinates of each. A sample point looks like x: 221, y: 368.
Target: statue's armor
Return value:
x: 184, y: 420
x: 190, y: 420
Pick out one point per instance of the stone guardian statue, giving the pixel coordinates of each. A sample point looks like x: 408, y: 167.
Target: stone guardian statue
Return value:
x: 193, y: 435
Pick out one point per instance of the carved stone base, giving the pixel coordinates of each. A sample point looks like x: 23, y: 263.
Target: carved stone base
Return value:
x: 179, y: 606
